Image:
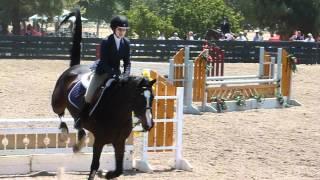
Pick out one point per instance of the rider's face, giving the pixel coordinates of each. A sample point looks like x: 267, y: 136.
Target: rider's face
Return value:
x: 120, y: 32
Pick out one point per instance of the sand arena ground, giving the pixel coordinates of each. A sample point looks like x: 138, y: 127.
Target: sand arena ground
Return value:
x: 255, y: 144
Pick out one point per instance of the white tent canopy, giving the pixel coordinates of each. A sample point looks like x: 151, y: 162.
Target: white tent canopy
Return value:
x: 64, y: 14
x: 38, y: 17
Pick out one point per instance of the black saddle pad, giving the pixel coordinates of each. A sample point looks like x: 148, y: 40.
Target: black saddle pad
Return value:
x: 76, y: 95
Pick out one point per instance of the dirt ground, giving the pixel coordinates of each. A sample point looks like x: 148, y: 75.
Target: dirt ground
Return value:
x: 255, y: 144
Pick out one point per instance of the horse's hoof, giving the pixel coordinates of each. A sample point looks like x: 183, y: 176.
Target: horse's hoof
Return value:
x: 92, y: 175
x: 101, y: 174
x: 113, y: 174
x: 63, y: 136
x: 76, y: 148
x: 63, y: 126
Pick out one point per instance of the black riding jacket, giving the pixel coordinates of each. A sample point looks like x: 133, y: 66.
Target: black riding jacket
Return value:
x: 110, y: 57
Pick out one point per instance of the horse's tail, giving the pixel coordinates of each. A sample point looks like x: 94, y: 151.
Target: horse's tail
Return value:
x: 77, y: 37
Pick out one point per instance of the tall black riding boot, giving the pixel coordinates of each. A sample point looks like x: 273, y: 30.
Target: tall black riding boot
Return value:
x: 83, y: 116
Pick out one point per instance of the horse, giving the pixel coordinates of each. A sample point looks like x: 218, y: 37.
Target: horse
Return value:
x: 111, y: 120
x: 213, y: 34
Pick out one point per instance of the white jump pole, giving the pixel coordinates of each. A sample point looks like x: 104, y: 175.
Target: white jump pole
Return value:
x: 180, y: 163
x: 273, y: 61
x: 279, y: 68
x: 171, y: 71
x: 244, y: 81
x: 261, y: 61
x: 232, y: 77
x: 188, y: 82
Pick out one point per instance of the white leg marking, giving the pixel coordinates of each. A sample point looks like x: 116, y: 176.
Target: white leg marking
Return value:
x: 147, y: 95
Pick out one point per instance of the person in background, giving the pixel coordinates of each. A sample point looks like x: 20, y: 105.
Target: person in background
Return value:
x: 161, y: 37
x: 190, y: 36
x: 227, y: 37
x: 274, y: 37
x: 309, y: 38
x: 297, y: 36
x: 225, y: 25
x: 174, y: 37
x: 241, y: 37
x: 258, y: 36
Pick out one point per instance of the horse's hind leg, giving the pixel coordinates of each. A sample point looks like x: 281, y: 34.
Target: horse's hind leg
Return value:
x: 64, y: 130
x: 81, y: 141
x: 97, y: 149
x: 119, y: 148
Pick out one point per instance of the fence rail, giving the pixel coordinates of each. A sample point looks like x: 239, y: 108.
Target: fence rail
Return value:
x: 28, y: 47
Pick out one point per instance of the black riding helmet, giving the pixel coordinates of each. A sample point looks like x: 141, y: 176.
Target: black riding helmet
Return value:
x: 119, y: 21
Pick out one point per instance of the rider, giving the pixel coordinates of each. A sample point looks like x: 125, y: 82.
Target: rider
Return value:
x: 113, y: 49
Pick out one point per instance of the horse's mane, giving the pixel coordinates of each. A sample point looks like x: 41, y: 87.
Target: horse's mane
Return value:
x: 119, y: 96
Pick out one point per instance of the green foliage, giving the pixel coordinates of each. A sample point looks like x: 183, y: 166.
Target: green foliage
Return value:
x: 283, y: 16
x: 239, y: 98
x: 16, y: 11
x: 200, y: 15
x: 97, y: 10
x: 146, y: 24
x: 258, y: 98
x: 280, y: 99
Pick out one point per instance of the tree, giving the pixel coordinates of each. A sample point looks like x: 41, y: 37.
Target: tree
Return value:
x: 200, y: 15
x: 147, y: 24
x: 283, y: 16
x: 17, y: 11
x: 103, y: 10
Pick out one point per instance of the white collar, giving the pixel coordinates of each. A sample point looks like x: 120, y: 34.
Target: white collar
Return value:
x: 117, y: 41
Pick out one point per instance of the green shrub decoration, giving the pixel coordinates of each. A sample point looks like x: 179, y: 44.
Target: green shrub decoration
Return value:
x: 240, y: 100
x: 293, y: 62
x: 258, y: 98
x: 220, y: 103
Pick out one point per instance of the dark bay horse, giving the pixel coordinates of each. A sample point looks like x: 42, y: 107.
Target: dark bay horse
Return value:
x: 111, y: 121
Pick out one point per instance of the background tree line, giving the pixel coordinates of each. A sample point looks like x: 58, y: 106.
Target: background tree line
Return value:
x: 150, y: 17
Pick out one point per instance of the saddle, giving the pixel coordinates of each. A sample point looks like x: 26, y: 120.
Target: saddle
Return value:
x: 76, y: 94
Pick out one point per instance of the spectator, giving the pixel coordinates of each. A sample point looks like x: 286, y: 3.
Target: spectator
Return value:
x: 29, y: 30
x: 161, y: 37
x: 258, y: 36
x: 245, y: 33
x: 297, y: 36
x: 309, y: 38
x: 318, y: 38
x: 225, y: 25
x: 241, y: 37
x: 174, y: 37
x: 274, y: 37
x: 190, y: 36
x: 227, y: 37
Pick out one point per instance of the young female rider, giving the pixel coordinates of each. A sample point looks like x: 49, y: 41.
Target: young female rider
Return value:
x: 112, y: 50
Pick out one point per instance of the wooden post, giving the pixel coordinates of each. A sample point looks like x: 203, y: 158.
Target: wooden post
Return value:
x: 178, y: 59
x: 162, y: 133
x: 199, y: 79
x: 286, y: 74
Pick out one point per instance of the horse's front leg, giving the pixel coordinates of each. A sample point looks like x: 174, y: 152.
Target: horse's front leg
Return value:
x: 97, y: 149
x: 119, y: 148
x: 81, y: 141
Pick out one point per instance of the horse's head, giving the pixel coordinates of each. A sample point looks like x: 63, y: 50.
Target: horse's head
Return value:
x: 142, y: 105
